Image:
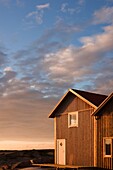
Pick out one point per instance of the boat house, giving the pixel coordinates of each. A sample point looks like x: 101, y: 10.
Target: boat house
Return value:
x: 75, y: 128
x: 104, y: 116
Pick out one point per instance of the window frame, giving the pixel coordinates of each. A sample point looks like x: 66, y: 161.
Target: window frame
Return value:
x: 69, y: 119
x: 104, y: 147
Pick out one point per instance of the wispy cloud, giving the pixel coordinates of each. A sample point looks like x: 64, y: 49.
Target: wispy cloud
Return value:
x: 23, y: 109
x: 40, y: 73
x: 21, y: 97
x: 43, y: 6
x: 69, y: 28
x: 8, y: 3
x: 7, y: 69
x: 81, y: 2
x: 53, y: 71
x: 66, y: 9
x: 3, y: 57
x: 103, y: 15
x: 37, y: 15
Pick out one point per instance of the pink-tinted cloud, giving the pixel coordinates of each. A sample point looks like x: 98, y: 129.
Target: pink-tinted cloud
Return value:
x: 42, y: 6
x: 103, y: 15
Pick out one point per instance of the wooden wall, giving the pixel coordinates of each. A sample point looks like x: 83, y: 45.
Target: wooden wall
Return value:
x: 79, y: 140
x: 104, y: 129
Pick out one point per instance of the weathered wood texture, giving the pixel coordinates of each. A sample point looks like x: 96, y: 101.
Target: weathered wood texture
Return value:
x: 79, y: 140
x: 105, y: 129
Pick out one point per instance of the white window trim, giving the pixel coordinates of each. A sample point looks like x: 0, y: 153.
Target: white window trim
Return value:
x: 72, y: 113
x: 107, y: 156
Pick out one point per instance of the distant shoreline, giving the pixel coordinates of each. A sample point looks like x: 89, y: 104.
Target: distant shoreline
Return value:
x: 13, y: 159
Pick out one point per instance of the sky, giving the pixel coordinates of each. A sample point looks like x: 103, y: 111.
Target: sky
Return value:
x: 47, y: 47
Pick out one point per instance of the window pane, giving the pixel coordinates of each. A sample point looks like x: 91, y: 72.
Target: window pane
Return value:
x: 108, y: 149
x: 73, y: 119
x: 107, y: 146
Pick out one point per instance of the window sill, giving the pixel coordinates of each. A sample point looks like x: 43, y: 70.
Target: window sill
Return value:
x: 72, y: 126
x: 107, y: 156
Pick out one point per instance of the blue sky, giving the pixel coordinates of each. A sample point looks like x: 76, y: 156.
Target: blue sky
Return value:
x: 46, y: 47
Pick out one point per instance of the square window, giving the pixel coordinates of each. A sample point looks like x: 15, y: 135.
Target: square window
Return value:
x: 107, y: 147
x: 73, y: 119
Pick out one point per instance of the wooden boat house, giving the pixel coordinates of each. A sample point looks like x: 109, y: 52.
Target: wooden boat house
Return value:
x: 75, y: 129
x: 104, y: 116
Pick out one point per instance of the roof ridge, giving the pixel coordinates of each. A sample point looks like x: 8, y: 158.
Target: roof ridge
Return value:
x: 103, y: 104
x: 90, y: 98
x: 89, y: 92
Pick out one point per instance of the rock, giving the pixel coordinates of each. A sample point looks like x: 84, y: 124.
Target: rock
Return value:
x: 15, y: 165
x: 23, y: 164
x: 21, y: 159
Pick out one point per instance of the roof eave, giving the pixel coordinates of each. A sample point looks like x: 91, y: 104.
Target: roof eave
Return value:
x: 50, y: 115
x: 82, y: 98
x: 76, y: 94
x: 95, y: 113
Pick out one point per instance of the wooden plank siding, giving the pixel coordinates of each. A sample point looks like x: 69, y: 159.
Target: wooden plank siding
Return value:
x: 105, y: 129
x: 79, y: 140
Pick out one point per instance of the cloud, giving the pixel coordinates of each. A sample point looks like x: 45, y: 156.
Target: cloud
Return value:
x: 37, y: 15
x: 81, y: 2
x: 31, y: 64
x: 52, y: 66
x: 26, y: 110
x: 72, y: 65
x: 66, y: 9
x: 3, y: 57
x: 44, y: 71
x: 40, y: 7
x: 63, y: 7
x: 63, y: 27
x: 52, y: 62
x: 102, y: 42
x: 5, y: 82
x: 8, y: 3
x: 103, y: 15
x: 7, y: 69
x: 22, y: 99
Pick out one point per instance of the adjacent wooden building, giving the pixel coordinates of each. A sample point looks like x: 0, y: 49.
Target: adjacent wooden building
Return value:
x: 104, y: 116
x: 75, y: 129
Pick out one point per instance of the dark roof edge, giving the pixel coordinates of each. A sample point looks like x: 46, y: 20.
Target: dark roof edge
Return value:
x: 75, y: 93
x: 50, y: 115
x: 95, y: 113
x: 91, y: 92
x: 83, y: 98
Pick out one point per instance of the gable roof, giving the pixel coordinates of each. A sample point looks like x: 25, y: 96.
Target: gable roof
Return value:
x: 96, y: 113
x: 92, y: 99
